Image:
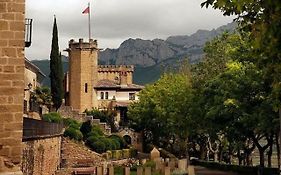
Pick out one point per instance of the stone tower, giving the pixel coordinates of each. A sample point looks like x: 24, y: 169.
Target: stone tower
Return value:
x: 83, y: 65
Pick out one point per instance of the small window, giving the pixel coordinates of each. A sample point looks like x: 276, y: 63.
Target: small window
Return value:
x: 102, y: 95
x: 86, y: 87
x: 106, y: 95
x: 132, y: 96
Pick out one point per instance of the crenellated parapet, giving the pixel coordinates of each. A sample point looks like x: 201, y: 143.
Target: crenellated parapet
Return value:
x: 116, y: 68
x: 73, y: 45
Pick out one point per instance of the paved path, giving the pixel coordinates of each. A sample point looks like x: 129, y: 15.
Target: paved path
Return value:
x: 204, y: 171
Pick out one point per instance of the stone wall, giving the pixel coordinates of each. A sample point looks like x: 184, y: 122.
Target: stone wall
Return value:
x: 12, y: 83
x: 42, y: 156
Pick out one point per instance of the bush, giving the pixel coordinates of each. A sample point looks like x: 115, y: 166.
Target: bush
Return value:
x: 98, y: 146
x: 69, y: 122
x: 116, y: 144
x: 109, y: 155
x: 53, y: 117
x: 92, y: 139
x: 73, y: 133
x: 86, y: 128
x: 107, y: 142
x: 179, y: 172
x: 97, y: 129
x: 120, y: 140
x: 116, y: 154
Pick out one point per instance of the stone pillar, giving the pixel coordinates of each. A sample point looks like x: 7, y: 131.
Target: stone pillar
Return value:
x: 110, y: 170
x: 12, y: 24
x: 127, y: 171
x: 100, y: 171
x: 182, y: 164
x: 139, y: 170
x: 147, y: 171
x: 167, y: 171
x: 190, y: 170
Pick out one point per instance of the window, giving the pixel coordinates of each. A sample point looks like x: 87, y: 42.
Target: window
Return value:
x: 86, y: 87
x: 106, y: 95
x: 132, y: 96
x: 102, y: 95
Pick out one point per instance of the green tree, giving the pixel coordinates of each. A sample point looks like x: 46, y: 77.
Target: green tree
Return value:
x: 42, y: 96
x: 56, y: 72
x: 162, y: 112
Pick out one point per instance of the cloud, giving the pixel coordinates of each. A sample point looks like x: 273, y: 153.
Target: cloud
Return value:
x: 113, y: 21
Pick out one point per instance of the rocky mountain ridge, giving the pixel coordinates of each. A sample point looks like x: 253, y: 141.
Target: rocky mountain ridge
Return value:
x: 147, y: 53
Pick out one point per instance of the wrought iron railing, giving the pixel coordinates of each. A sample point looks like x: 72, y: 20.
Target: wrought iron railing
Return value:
x: 36, y: 129
x: 28, y: 31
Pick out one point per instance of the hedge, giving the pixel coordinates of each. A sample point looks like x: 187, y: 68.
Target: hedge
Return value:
x: 243, y: 170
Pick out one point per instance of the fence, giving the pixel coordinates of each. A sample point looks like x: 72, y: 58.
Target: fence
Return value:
x: 36, y: 129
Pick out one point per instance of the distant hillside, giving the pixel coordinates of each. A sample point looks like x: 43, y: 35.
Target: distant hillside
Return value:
x: 44, y: 65
x: 152, y: 57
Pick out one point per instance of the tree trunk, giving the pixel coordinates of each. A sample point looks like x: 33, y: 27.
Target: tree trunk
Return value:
x: 278, y: 150
x: 261, y: 157
x: 269, y: 155
x: 279, y: 136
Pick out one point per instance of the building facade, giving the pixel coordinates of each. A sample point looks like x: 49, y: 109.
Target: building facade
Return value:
x: 12, y: 43
x: 89, y: 85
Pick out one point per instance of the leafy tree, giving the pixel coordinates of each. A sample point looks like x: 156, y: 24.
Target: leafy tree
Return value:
x: 56, y: 72
x: 162, y: 112
x: 42, y: 96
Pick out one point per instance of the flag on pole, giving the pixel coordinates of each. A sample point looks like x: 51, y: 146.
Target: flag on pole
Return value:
x: 86, y: 11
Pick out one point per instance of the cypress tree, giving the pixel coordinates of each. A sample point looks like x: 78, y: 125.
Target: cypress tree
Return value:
x: 56, y: 72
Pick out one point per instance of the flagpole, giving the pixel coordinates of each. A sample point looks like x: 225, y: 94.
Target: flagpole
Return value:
x: 89, y: 18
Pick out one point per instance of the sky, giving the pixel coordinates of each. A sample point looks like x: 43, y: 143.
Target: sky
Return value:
x: 113, y: 21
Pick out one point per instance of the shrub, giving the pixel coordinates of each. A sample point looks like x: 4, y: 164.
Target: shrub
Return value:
x: 119, y: 139
x: 116, y: 144
x: 109, y: 154
x: 53, y: 117
x: 98, y: 146
x: 86, y: 128
x: 69, y: 122
x: 179, y: 172
x: 97, y: 129
x: 107, y: 142
x: 73, y: 133
x: 92, y: 139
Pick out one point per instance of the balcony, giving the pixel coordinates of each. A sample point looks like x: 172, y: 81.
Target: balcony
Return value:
x: 28, y: 32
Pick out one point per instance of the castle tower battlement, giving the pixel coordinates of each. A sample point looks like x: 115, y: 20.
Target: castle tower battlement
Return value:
x: 83, y: 64
x: 115, y: 68
x: 92, y: 44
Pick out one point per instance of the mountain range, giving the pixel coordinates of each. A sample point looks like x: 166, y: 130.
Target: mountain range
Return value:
x: 152, y: 57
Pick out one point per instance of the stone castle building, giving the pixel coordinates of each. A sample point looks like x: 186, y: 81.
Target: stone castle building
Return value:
x: 89, y: 85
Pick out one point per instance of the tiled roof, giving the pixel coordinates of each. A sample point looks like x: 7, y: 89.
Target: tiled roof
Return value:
x: 111, y: 84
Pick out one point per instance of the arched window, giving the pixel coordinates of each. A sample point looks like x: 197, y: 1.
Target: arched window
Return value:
x: 102, y: 95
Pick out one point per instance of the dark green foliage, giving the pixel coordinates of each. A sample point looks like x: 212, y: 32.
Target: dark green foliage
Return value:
x: 42, y: 96
x: 56, y: 72
x: 86, y: 128
x: 69, y: 122
x: 53, y: 117
x: 119, y: 139
x: 98, y: 146
x: 73, y: 133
